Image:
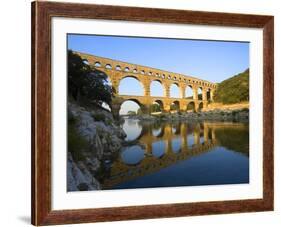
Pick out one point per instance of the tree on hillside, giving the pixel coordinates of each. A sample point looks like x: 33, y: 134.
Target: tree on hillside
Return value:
x: 234, y: 89
x: 86, y: 82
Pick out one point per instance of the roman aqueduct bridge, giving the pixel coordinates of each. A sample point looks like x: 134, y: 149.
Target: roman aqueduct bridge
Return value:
x: 118, y: 70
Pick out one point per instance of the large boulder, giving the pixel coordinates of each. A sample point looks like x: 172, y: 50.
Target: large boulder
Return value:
x: 104, y: 138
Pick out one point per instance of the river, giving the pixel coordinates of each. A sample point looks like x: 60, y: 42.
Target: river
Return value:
x: 175, y: 153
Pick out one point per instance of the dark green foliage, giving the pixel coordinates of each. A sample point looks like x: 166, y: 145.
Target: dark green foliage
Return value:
x: 155, y: 108
x: 174, y: 106
x: 87, y: 83
x: 234, y: 89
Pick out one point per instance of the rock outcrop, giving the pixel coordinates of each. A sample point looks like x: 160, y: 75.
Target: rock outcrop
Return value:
x: 103, y: 137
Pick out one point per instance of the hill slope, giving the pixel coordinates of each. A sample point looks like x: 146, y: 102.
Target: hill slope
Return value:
x: 234, y: 89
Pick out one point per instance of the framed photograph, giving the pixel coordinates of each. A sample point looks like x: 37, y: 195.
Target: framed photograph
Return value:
x: 144, y: 113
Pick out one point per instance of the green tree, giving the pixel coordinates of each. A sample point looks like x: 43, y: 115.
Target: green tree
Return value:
x: 86, y: 82
x: 155, y: 108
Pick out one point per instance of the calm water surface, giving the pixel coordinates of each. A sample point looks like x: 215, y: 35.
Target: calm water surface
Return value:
x: 189, y: 153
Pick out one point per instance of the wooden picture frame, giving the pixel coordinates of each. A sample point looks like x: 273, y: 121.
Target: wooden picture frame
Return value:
x: 42, y: 13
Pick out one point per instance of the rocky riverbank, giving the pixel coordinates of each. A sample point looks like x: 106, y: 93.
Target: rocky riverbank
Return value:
x: 93, y: 139
x: 216, y: 114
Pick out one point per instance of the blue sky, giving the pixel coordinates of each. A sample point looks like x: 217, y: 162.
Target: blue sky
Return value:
x: 214, y: 61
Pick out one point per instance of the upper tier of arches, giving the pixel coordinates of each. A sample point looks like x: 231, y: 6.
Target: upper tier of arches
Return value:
x: 143, y: 71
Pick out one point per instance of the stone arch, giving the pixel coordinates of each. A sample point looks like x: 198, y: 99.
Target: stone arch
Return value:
x: 160, y: 104
x: 124, y: 87
x: 127, y: 69
x: 189, y: 92
x: 175, y: 106
x: 157, y: 89
x: 97, y: 64
x: 123, y: 111
x: 174, y: 90
x: 190, y: 106
x: 118, y: 68
x: 200, y: 93
x: 108, y: 66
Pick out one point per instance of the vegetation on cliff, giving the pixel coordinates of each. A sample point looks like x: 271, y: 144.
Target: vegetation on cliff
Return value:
x: 234, y: 89
x: 86, y: 84
x: 93, y: 136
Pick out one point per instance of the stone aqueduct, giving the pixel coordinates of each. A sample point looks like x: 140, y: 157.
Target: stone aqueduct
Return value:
x: 117, y: 70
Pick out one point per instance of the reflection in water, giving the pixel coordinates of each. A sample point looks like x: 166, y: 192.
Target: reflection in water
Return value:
x: 181, y: 154
x: 176, y: 145
x: 190, y: 141
x: 158, y: 149
x: 156, y: 132
x: 132, y: 129
x: 132, y: 155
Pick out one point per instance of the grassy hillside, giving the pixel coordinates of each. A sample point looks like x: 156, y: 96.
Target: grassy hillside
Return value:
x: 234, y: 89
